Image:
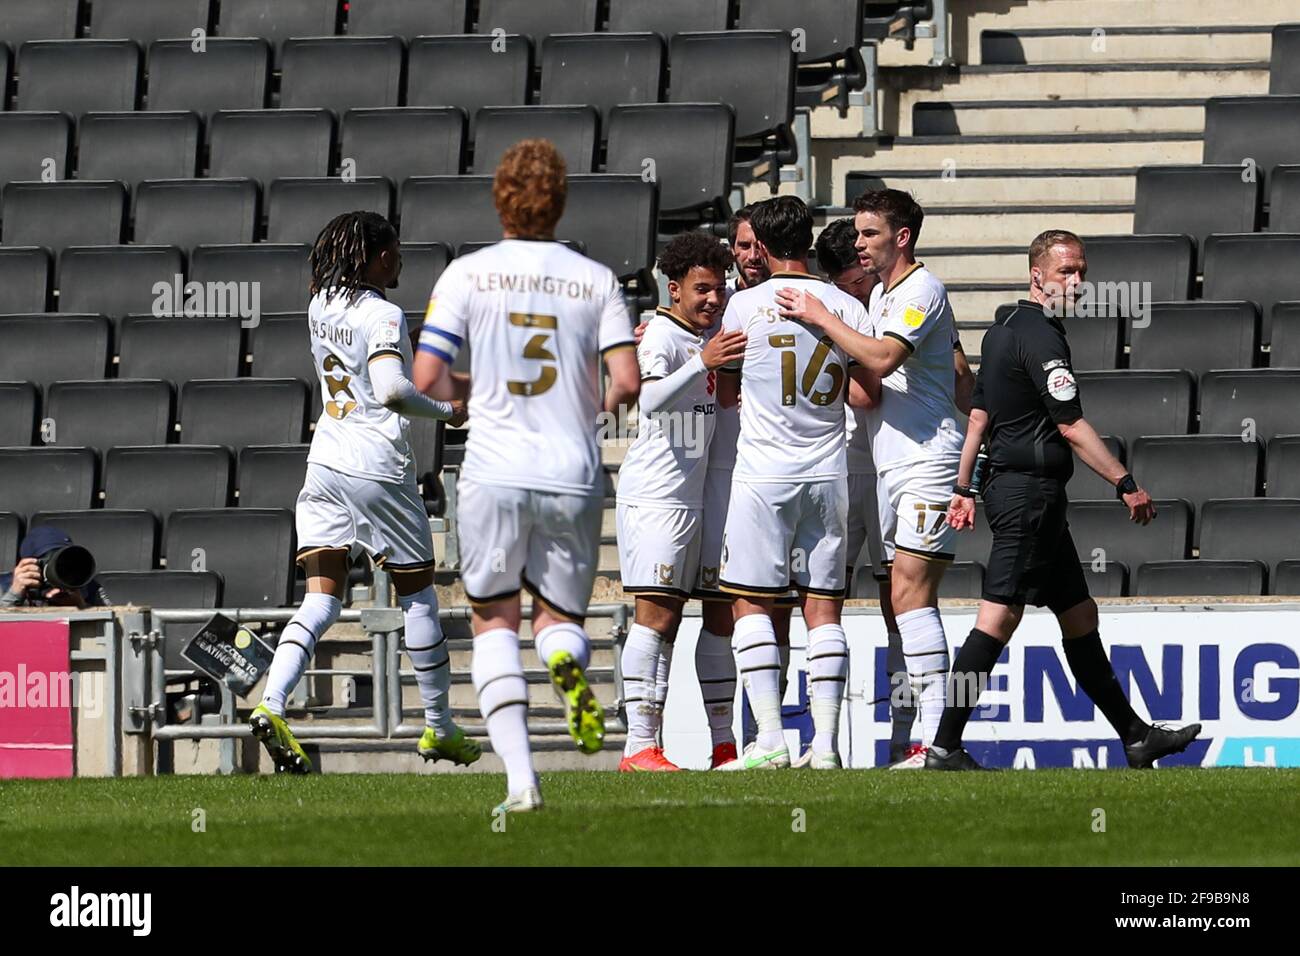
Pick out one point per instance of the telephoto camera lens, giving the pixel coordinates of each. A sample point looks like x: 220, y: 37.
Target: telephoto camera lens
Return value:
x: 69, y: 568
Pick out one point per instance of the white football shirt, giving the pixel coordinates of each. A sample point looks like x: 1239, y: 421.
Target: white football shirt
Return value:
x: 356, y: 434
x: 538, y: 316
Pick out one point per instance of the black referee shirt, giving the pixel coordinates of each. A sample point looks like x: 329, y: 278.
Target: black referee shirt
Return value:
x: 1026, y: 385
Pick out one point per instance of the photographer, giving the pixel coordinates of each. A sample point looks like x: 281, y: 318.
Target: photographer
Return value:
x: 51, y: 572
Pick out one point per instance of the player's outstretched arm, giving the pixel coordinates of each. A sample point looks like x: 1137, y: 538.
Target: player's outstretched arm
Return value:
x: 964, y: 380
x: 659, y: 393
x: 961, y: 510
x: 881, y: 357
x: 624, y: 379
x: 398, y: 393
x: 1092, y: 451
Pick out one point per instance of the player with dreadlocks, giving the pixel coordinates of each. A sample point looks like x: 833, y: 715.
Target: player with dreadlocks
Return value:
x: 360, y: 488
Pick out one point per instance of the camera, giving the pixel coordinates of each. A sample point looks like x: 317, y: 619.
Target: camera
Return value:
x: 69, y: 568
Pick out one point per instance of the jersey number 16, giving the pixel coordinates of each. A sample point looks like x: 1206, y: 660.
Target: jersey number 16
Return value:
x: 816, y: 365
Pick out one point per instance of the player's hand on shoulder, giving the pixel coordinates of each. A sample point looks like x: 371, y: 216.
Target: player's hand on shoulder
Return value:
x: 1140, y: 506
x: 724, y: 349
x: 961, y: 513
x: 639, y: 332
x: 805, y: 306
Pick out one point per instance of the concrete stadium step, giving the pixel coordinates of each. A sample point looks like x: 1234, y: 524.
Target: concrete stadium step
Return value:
x: 978, y: 302
x: 983, y: 226
x: 1061, y: 116
x: 1101, y: 41
x: 972, y: 337
x: 971, y: 17
x: 1006, y: 265
x: 1021, y: 187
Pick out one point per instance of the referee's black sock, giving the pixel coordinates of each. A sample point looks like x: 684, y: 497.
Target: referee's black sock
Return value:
x: 970, y: 675
x: 1091, y: 668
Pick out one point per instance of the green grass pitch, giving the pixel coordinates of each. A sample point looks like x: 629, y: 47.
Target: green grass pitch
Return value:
x: 1045, y: 817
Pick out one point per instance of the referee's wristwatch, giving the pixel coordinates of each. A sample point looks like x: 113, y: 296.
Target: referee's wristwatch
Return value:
x: 1125, y: 486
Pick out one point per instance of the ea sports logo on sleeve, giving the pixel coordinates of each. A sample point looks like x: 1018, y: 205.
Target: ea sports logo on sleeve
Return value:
x: 1061, y: 384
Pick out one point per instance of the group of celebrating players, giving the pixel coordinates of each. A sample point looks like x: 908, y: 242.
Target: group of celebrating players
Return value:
x: 788, y: 428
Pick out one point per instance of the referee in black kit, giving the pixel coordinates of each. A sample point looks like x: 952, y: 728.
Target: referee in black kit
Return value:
x: 1026, y: 407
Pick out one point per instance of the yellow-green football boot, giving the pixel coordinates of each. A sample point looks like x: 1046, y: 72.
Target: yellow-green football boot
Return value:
x: 582, y: 711
x: 457, y: 748
x: 286, y: 753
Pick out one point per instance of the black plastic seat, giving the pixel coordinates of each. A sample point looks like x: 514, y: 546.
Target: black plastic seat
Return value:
x: 575, y: 131
x: 34, y: 146
x: 281, y: 348
x: 402, y: 142
x: 266, y: 145
x: 1194, y: 578
x: 962, y: 579
x: 278, y: 20
x: 340, y: 73
x: 1266, y: 401
x: 165, y: 590
x: 42, y: 349
x: 1166, y: 262
x: 1282, y: 467
x: 51, y: 479
x: 538, y: 20
x: 422, y: 264
x: 192, y: 212
x: 1129, y: 404
x: 1102, y: 530
x: 298, y: 209
x: 1106, y: 579
x: 691, y: 145
x: 603, y: 70
x: 667, y: 17
x: 1195, y: 201
x: 1285, y: 578
x: 469, y: 71
x: 1265, y: 129
x: 1197, y: 336
x: 1258, y: 267
x: 1283, y: 200
x: 139, y: 145
x: 11, y: 532
x: 407, y: 18
x: 119, y: 540
x: 23, y: 20
x: 78, y: 76
x: 977, y: 544
x: 241, y: 411
x: 166, y: 478
x: 1196, y: 468
x: 1251, y: 529
x: 270, y: 476
x: 1096, y: 341
x: 147, y: 20
x: 19, y: 402
x: 450, y: 209
x: 1284, y: 350
x: 179, y: 349
x: 230, y: 74
x: 614, y: 217
x: 101, y: 414
x: 1085, y: 484
x: 62, y: 214
x: 24, y: 280
x: 281, y: 273
x: 830, y: 37
x: 251, y: 548
x: 116, y: 280
x: 1284, y: 67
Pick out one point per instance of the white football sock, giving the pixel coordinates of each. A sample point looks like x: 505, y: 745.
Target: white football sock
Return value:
x: 664, y: 665
x: 715, y: 666
x: 498, y: 675
x: 640, y: 666
x: 925, y: 648
x: 828, y: 666
x: 902, y: 707
x: 564, y: 636
x: 297, y: 645
x: 759, y: 664
x: 426, y: 646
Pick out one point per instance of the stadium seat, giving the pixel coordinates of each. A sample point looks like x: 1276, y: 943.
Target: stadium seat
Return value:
x: 179, y: 349
x: 298, y: 209
x: 278, y: 20
x: 1196, y: 577
x: 1285, y: 578
x: 1196, y: 468
x: 29, y: 141
x: 407, y: 18
x: 1264, y: 129
x: 1282, y: 467
x: 575, y: 131
x: 42, y: 349
x: 18, y: 404
x: 166, y: 478
x: 691, y: 145
x: 962, y: 579
x: 1284, y: 67
x: 1258, y: 267
x: 119, y: 540
x: 147, y: 20
x: 11, y: 533
x: 1266, y: 399
x: 116, y: 280
x: 1128, y: 404
x: 1283, y: 200
x: 1284, y: 350
x: 78, y: 76
x: 1096, y: 341
x: 192, y: 212
x: 281, y: 348
x: 404, y: 142
x: 975, y: 545
x: 24, y: 280
x: 57, y: 215
x: 182, y: 590
x: 133, y: 146
x: 830, y: 39
x: 280, y: 273
x: 269, y: 144
x: 340, y: 73
x: 1196, y: 336
x: 1244, y: 529
x: 238, y: 411
x: 54, y: 479
x: 603, y: 70
x: 230, y: 74
x: 270, y: 476
x: 1102, y: 530
x: 1085, y: 484
x: 538, y: 20
x: 450, y: 209
x: 667, y: 17
x: 615, y: 217
x: 251, y: 548
x: 469, y: 72
x: 23, y: 20
x: 1167, y: 262
x: 1195, y: 201
x: 101, y: 414
x: 422, y: 264
x: 1107, y: 579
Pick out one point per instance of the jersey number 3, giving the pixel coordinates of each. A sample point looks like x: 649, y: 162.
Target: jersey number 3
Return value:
x: 535, y: 349
x: 816, y: 365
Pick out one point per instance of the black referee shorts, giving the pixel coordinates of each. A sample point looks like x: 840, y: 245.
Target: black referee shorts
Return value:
x: 1033, y: 559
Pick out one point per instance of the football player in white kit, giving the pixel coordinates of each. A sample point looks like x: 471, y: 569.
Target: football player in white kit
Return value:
x: 916, y: 436
x: 360, y: 487
x: 661, y: 481
x: 538, y: 317
x: 786, y: 521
